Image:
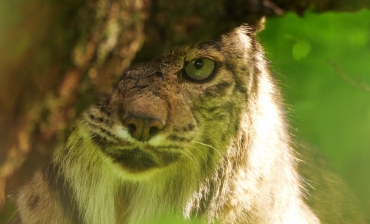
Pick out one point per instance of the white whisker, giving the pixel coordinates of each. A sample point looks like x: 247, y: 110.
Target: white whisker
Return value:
x: 217, y: 151
x: 204, y: 159
x: 189, y: 155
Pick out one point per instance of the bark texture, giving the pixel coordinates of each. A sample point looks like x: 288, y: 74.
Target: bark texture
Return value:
x: 60, y: 55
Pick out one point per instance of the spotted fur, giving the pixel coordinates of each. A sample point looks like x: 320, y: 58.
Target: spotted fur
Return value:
x: 217, y: 150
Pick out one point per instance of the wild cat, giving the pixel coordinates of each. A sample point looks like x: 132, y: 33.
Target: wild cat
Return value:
x: 201, y: 132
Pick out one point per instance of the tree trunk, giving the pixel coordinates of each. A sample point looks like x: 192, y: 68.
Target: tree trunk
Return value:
x: 58, y: 56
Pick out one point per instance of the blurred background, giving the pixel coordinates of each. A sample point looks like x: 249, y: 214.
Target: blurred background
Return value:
x: 323, y: 65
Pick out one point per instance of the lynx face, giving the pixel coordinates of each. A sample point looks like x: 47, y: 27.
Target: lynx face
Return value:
x: 182, y: 108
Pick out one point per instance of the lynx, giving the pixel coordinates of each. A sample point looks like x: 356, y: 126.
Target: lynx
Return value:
x: 199, y: 132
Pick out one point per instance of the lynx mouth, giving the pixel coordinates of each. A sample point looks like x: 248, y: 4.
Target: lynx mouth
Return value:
x: 135, y: 160
x: 138, y: 160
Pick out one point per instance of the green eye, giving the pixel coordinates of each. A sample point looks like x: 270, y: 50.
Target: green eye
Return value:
x: 200, y: 69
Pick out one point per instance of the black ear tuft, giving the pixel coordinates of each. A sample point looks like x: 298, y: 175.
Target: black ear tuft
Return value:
x: 258, y: 25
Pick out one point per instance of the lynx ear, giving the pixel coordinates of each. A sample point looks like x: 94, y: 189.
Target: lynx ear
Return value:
x: 253, y: 28
x: 258, y: 25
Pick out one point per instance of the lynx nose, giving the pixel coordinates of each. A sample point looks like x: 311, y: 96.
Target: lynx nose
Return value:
x: 143, y: 128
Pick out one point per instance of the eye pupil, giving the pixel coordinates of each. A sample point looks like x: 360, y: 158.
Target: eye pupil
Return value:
x: 198, y: 63
x: 199, y: 69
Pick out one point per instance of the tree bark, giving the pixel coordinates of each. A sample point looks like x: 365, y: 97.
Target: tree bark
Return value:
x: 60, y: 55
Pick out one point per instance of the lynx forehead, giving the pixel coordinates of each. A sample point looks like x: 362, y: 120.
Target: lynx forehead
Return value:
x: 176, y: 107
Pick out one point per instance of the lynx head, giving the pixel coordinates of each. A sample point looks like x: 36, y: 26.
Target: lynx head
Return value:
x: 180, y: 110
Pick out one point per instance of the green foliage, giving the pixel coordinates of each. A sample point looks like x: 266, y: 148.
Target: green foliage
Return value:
x: 301, y: 49
x: 323, y: 65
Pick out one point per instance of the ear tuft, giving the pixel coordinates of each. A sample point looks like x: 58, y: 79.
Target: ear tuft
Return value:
x: 258, y: 25
x: 253, y: 28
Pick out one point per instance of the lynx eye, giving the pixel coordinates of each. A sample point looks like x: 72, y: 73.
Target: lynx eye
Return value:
x: 200, y: 69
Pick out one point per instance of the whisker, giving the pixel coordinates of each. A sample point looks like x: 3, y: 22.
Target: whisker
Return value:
x: 190, y: 156
x: 105, y: 134
x: 204, y: 159
x: 217, y: 151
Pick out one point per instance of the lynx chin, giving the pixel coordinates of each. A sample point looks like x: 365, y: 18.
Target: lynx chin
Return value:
x: 199, y: 132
